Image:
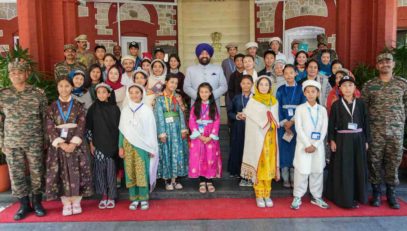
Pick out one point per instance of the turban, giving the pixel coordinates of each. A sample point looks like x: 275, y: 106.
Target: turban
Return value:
x: 203, y: 47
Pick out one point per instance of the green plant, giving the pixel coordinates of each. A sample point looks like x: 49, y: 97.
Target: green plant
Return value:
x: 363, y: 73
x: 36, y: 78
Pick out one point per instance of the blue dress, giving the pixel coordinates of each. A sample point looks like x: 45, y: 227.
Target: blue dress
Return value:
x: 300, y: 75
x: 237, y: 134
x: 173, y: 153
x: 289, y: 97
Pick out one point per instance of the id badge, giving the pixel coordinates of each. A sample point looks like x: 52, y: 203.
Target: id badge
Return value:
x: 169, y: 120
x: 352, y: 126
x: 64, y: 133
x: 316, y: 135
x: 201, y: 128
x: 290, y: 112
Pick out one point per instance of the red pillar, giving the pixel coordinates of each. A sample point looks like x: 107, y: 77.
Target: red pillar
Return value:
x: 45, y: 26
x: 364, y: 28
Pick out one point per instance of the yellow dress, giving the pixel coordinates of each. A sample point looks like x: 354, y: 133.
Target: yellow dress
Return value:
x: 267, y: 166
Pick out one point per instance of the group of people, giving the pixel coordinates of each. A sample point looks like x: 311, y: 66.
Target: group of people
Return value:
x: 143, y: 120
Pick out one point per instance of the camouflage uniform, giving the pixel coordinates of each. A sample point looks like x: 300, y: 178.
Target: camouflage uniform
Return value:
x: 62, y: 69
x: 86, y: 58
x: 387, y: 112
x: 22, y: 116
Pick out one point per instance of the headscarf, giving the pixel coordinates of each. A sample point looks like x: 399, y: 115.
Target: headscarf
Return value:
x: 267, y: 99
x: 78, y: 91
x: 203, y: 47
x: 156, y: 83
x: 118, y: 83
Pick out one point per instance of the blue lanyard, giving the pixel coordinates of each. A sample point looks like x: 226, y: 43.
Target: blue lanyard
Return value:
x: 314, y: 122
x: 65, y: 117
x: 204, y: 112
x: 291, y: 102
x: 232, y: 66
x: 244, y: 106
x: 134, y: 111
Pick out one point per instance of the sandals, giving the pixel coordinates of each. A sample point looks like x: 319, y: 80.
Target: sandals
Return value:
x: 178, y: 186
x: 76, y: 209
x: 67, y: 210
x: 202, y: 187
x: 210, y: 186
x: 144, y: 205
x: 110, y: 204
x: 169, y: 187
x: 102, y: 204
x: 133, y: 205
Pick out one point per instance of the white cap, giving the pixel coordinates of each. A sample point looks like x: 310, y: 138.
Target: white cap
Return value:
x: 312, y: 83
x: 251, y: 44
x: 276, y: 39
x: 128, y: 57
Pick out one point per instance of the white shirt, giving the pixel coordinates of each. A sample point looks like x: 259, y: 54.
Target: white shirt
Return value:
x: 126, y: 79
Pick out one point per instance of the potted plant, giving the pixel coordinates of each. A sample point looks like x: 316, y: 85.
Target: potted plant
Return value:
x: 4, y: 175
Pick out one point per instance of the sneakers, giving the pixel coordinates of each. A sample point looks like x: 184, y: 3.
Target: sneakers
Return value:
x: 296, y: 203
x: 320, y: 203
x: 260, y: 203
x: 269, y: 202
x: 245, y: 183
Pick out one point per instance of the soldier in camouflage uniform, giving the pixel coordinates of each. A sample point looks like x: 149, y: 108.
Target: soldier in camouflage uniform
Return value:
x: 22, y: 113
x: 82, y: 55
x: 62, y: 69
x: 386, y: 98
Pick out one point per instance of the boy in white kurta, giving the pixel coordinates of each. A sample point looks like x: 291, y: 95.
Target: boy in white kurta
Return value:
x: 311, y: 121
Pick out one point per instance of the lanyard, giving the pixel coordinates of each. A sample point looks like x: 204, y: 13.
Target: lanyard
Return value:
x: 347, y: 109
x: 135, y: 110
x: 244, y: 105
x: 168, y: 103
x: 232, y: 66
x: 314, y: 122
x: 291, y: 102
x: 204, y: 112
x: 65, y: 117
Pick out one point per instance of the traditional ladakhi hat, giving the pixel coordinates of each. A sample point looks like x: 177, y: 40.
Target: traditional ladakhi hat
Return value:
x: 69, y: 46
x: 231, y: 45
x: 81, y: 37
x: 203, y: 47
x: 311, y: 83
x: 139, y: 70
x: 128, y: 57
x: 275, y: 39
x: 346, y: 79
x: 251, y: 44
x: 303, y: 47
x: 109, y: 89
x: 384, y: 56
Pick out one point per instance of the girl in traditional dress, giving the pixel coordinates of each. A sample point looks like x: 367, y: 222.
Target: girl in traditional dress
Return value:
x: 68, y: 174
x: 140, y: 77
x: 79, y: 92
x: 156, y: 80
x: 138, y: 146
x: 349, y: 135
x: 95, y: 75
x: 325, y: 63
x: 311, y: 122
x: 289, y: 96
x: 261, y: 154
x: 174, y: 64
x: 205, y: 160
x: 172, y: 133
x: 102, y: 122
x: 300, y: 60
x: 146, y: 64
x: 238, y: 119
x: 114, y: 77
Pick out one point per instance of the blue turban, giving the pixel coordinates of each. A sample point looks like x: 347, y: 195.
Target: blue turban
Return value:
x: 203, y: 47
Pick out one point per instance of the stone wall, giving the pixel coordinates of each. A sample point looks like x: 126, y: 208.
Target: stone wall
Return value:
x: 402, y: 3
x: 166, y: 20
x: 266, y: 16
x: 83, y: 11
x: 296, y: 8
x: 133, y: 11
x: 102, y: 19
x: 109, y: 44
x: 8, y: 10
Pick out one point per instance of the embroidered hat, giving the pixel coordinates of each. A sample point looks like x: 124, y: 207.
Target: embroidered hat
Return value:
x: 275, y: 39
x: 128, y: 57
x: 109, y: 89
x: 311, y: 83
x: 251, y: 44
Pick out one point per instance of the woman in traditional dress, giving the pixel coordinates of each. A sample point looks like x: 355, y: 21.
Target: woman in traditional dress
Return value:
x: 261, y: 154
x: 95, y: 76
x: 300, y: 60
x: 68, y: 174
x: 138, y: 146
x: 79, y: 92
x: 114, y: 76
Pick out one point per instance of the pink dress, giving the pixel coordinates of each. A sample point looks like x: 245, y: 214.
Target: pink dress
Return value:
x: 204, y: 159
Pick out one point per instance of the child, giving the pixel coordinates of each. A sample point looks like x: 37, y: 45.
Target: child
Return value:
x: 261, y: 154
x: 108, y: 61
x: 145, y: 65
x: 309, y: 160
x: 289, y: 96
x: 68, y: 170
x: 95, y: 75
x: 156, y: 80
x: 325, y: 63
x: 172, y: 133
x: 349, y: 136
x: 238, y: 118
x: 114, y: 76
x: 138, y: 146
x: 269, y: 58
x: 102, y: 122
x: 205, y: 160
x: 235, y: 77
x: 140, y: 77
x: 79, y: 93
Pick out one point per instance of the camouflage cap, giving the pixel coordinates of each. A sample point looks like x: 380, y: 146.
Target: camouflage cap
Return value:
x: 384, y: 56
x: 81, y: 37
x: 19, y: 65
x: 69, y: 46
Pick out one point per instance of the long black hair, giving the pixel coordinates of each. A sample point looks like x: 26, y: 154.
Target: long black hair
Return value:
x: 212, y: 104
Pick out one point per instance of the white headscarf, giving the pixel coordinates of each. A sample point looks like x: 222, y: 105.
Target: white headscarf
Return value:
x: 139, y: 128
x: 153, y: 79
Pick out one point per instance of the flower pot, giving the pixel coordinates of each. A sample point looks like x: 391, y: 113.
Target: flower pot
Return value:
x: 4, y: 178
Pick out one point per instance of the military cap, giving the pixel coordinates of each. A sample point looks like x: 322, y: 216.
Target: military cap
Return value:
x: 134, y: 44
x: 69, y: 46
x: 19, y: 65
x: 384, y: 56
x: 81, y: 37
x: 231, y: 45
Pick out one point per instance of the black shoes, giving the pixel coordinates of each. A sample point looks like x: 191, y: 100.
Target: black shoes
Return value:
x: 24, y: 209
x: 391, y: 197
x: 377, y: 193
x: 37, y: 206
